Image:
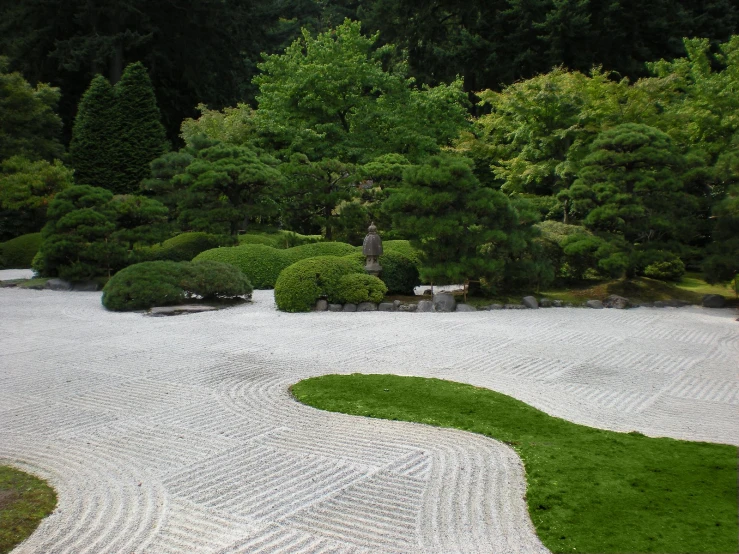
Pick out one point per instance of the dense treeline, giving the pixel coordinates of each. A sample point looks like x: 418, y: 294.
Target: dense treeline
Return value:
x: 563, y: 176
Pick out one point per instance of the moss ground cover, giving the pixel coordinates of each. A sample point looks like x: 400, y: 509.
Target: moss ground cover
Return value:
x: 589, y: 490
x: 24, y: 501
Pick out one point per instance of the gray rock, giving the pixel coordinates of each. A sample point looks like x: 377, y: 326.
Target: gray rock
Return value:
x: 367, y: 307
x: 714, y: 301
x: 397, y: 304
x: 444, y: 302
x: 58, y: 284
x: 594, y: 304
x: 321, y: 305
x: 557, y: 303
x: 659, y: 304
x: 675, y: 303
x: 85, y: 286
x: 350, y: 307
x: 617, y: 302
x: 545, y: 303
x: 428, y: 292
x: 514, y: 307
x: 495, y: 307
x: 335, y: 308
x: 425, y: 306
x: 530, y: 302
x: 407, y: 308
x: 386, y: 307
x: 465, y: 308
x: 184, y: 309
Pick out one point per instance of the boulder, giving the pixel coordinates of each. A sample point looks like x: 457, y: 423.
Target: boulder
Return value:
x: 465, y: 308
x: 425, y: 306
x: 177, y: 310
x: 557, y: 304
x: 616, y: 301
x: 714, y: 301
x: 350, y: 307
x: 545, y: 303
x: 367, y: 307
x: 594, y: 304
x: 335, y: 308
x: 386, y: 307
x: 530, y: 302
x: 58, y: 284
x: 85, y: 286
x: 407, y: 308
x: 397, y: 304
x: 444, y: 302
x: 321, y: 305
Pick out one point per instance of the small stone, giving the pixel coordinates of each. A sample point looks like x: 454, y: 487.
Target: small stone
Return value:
x: 335, y: 308
x: 350, y: 307
x: 465, y: 308
x: 594, y: 304
x: 407, y: 308
x: 659, y: 304
x: 367, y: 307
x: 530, y: 302
x: 58, y: 284
x: 444, y: 302
x: 397, y: 304
x: 85, y: 286
x: 617, y: 302
x: 557, y: 303
x: 321, y: 305
x: 545, y: 303
x: 495, y: 307
x: 511, y: 306
x: 386, y: 307
x: 714, y: 301
x: 425, y: 306
x: 569, y: 305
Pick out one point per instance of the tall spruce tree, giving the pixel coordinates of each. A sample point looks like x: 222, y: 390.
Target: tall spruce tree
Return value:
x: 94, y: 134
x: 141, y: 136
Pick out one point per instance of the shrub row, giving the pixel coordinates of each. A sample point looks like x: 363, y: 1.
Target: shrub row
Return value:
x: 18, y: 253
x: 279, y: 239
x: 185, y: 246
x: 165, y: 283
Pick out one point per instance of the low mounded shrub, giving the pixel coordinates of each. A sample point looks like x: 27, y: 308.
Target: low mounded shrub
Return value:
x: 300, y: 285
x: 399, y: 273
x: 319, y: 249
x: 185, y: 246
x: 164, y: 283
x: 669, y: 270
x: 279, y: 239
x: 402, y: 247
x: 18, y: 253
x: 357, y: 288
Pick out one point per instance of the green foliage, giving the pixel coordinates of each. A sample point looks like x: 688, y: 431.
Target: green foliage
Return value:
x: 399, y: 273
x: 225, y: 186
x: 234, y: 126
x: 723, y: 253
x: 669, y: 495
x: 260, y: 263
x: 29, y: 125
x: 18, y: 253
x: 402, y: 247
x: 318, y: 249
x: 185, y: 246
x: 93, y: 148
x: 658, y: 264
x: 300, y: 285
x: 26, y: 501
x: 139, y: 220
x: 148, y: 284
x: 357, y: 288
x: 279, y: 239
x: 141, y: 136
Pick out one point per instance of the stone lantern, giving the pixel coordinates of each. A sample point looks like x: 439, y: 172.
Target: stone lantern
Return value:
x: 372, y: 249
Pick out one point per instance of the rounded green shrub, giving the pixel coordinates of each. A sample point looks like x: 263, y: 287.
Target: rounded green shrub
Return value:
x: 260, y: 263
x: 399, y: 273
x: 165, y: 283
x: 301, y: 284
x: 18, y: 253
x: 319, y: 249
x: 402, y: 247
x: 265, y: 240
x: 357, y: 288
x: 668, y: 270
x: 279, y: 239
x: 185, y: 246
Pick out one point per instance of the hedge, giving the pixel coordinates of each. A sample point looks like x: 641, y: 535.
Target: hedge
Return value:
x: 357, y: 288
x: 300, y: 285
x: 319, y: 249
x: 280, y: 239
x: 402, y: 247
x: 18, y: 253
x: 185, y: 246
x: 163, y: 283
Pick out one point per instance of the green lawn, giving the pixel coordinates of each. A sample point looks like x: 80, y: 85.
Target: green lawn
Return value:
x: 24, y: 501
x: 589, y: 490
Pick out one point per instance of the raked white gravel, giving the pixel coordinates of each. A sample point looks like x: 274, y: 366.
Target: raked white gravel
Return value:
x: 178, y: 434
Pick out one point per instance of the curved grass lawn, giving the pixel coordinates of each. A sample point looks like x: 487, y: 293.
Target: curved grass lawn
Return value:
x: 24, y: 501
x: 589, y: 490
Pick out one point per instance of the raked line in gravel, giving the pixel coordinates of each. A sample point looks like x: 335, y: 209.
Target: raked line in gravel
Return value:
x: 178, y: 434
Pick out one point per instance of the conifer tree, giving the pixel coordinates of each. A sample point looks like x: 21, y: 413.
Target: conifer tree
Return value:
x: 92, y: 148
x: 141, y: 137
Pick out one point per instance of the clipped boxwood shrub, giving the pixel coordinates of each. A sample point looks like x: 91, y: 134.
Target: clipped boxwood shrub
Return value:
x: 165, y: 283
x: 300, y: 285
x: 399, y: 273
x: 319, y: 249
x: 358, y: 287
x: 402, y: 247
x: 279, y: 239
x: 260, y: 263
x: 185, y: 246
x: 265, y: 240
x: 18, y: 253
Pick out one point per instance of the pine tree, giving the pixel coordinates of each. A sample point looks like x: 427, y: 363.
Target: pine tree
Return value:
x: 92, y: 148
x: 141, y: 137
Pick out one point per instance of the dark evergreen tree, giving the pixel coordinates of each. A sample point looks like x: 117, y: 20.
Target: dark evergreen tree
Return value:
x: 94, y: 137
x: 140, y: 136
